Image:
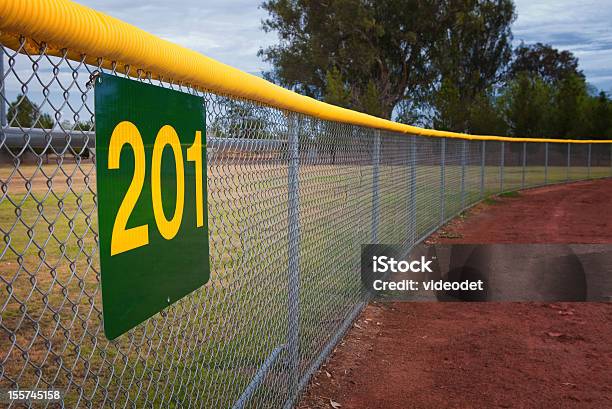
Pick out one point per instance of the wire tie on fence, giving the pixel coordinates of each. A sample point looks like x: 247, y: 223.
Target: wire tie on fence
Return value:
x: 92, y: 79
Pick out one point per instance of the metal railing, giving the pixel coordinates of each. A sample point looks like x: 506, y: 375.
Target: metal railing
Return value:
x: 291, y: 200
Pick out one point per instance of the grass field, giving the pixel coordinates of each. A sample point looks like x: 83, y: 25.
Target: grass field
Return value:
x: 207, y: 347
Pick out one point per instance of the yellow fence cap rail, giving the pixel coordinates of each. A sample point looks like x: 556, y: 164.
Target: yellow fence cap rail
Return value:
x: 64, y: 24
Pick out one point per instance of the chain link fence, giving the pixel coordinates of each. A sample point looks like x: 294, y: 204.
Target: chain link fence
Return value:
x: 291, y: 200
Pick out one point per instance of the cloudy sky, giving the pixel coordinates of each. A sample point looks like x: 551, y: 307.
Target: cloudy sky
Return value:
x: 581, y: 26
x: 229, y: 30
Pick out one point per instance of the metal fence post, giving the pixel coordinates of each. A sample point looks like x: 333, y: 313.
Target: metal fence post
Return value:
x: 545, y: 163
x: 442, y: 178
x: 293, y: 252
x: 501, y: 168
x: 463, y: 160
x: 567, y: 177
x: 524, y: 163
x: 375, y: 188
x: 412, y: 208
x: 482, y: 169
x: 3, y: 101
x: 589, y: 163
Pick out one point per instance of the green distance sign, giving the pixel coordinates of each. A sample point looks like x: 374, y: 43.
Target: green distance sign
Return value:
x: 152, y: 209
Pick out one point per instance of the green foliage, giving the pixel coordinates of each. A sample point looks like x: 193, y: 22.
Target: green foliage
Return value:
x: 366, y: 50
x: 510, y: 194
x: 545, y: 62
x: 533, y: 107
x: 26, y: 114
x: 450, y: 114
x: 547, y: 96
x: 570, y: 104
x: 446, y: 64
x: 84, y: 126
x: 336, y: 91
x: 79, y: 125
x: 411, y: 112
x: 600, y: 110
x: 470, y: 58
x: 371, y: 101
x: 486, y: 116
x: 526, y: 103
x: 242, y: 119
x: 491, y: 201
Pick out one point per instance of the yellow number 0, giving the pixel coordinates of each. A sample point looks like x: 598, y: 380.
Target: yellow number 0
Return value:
x: 127, y: 239
x: 167, y: 228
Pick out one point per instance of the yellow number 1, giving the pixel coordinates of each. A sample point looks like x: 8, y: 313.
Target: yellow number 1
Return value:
x: 194, y: 154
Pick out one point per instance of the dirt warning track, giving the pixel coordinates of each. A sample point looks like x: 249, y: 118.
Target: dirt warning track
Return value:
x: 579, y: 212
x: 486, y: 355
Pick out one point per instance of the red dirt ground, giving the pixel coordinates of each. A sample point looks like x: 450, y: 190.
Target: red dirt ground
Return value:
x: 485, y: 355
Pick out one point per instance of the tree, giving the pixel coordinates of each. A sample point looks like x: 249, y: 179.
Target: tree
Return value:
x: 470, y: 57
x: 486, y: 115
x: 573, y: 111
x: 362, y: 54
x: 446, y: 63
x: 450, y: 113
x: 526, y: 103
x: 336, y: 92
x: 242, y: 119
x: 601, y: 117
x: 550, y: 64
x: 26, y: 114
x: 570, y: 104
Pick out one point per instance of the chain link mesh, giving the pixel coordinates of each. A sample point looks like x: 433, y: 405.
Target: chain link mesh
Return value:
x: 290, y: 199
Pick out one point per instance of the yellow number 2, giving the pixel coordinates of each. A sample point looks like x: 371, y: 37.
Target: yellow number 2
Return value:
x: 127, y: 239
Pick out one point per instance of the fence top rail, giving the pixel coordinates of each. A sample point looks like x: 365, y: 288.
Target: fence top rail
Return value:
x: 58, y: 25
